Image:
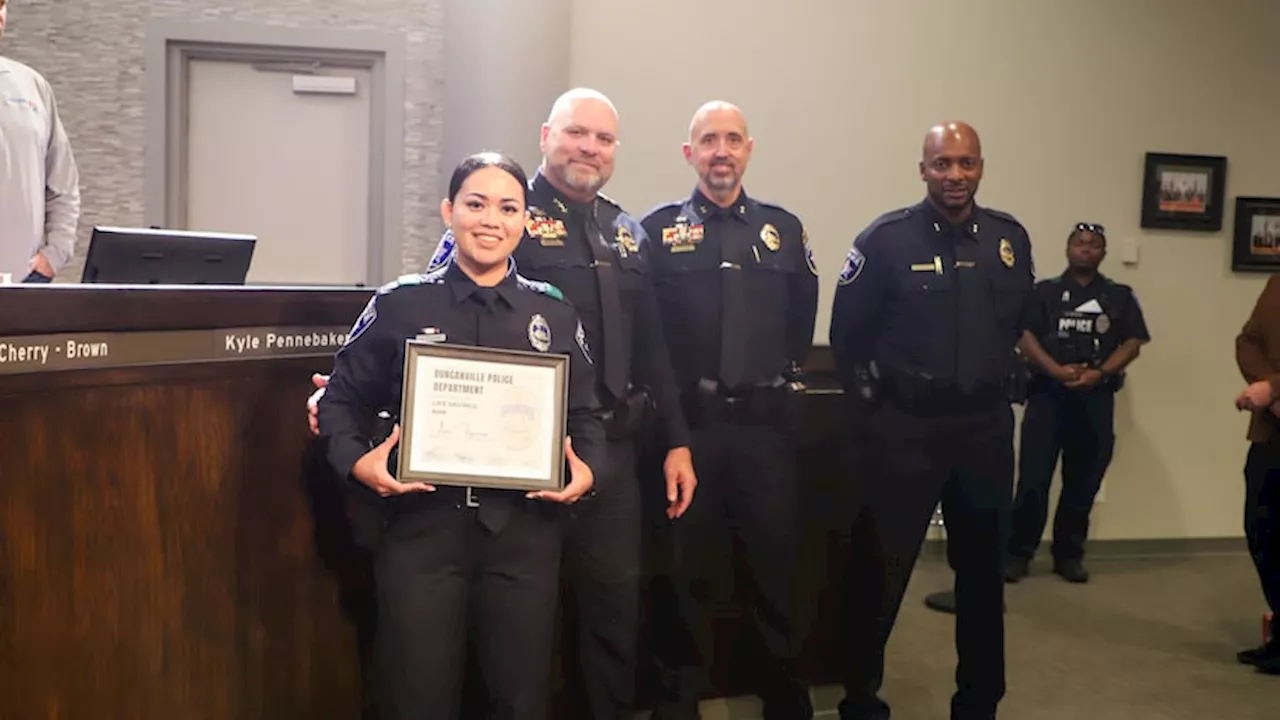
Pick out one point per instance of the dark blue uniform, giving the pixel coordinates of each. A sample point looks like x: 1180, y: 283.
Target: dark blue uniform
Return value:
x: 738, y: 293
x: 597, y: 255
x: 925, y: 321
x: 1075, y: 324
x: 455, y: 558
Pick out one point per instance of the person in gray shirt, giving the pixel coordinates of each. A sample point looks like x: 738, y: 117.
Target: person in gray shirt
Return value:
x: 39, y: 181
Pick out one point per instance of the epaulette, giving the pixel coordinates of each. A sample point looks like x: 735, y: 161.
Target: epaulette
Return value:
x: 538, y: 286
x: 779, y: 208
x: 1002, y: 215
x: 888, y: 218
x: 609, y: 200
x: 431, y: 277
x: 662, y: 207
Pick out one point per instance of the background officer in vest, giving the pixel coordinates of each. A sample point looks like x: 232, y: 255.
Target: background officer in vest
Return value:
x: 738, y: 292
x: 1082, y: 331
x: 926, y: 316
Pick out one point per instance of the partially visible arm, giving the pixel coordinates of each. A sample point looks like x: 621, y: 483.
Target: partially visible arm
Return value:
x: 653, y: 358
x: 1040, y: 357
x: 802, y: 305
x: 357, y: 390
x: 62, y: 193
x: 859, y: 295
x: 1251, y: 344
x: 584, y: 425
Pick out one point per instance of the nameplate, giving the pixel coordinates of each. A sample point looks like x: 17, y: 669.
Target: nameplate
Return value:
x: 88, y: 351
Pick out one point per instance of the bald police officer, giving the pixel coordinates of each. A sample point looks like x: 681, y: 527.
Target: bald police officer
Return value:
x: 738, y: 292
x: 926, y: 316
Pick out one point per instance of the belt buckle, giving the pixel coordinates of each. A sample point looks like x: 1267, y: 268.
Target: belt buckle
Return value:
x: 472, y: 501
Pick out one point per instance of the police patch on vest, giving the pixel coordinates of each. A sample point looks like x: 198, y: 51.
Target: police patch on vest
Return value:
x: 581, y: 336
x: 539, y: 333
x: 1006, y: 253
x: 1102, y: 323
x: 808, y: 252
x: 769, y: 236
x: 443, y: 253
x: 853, y: 264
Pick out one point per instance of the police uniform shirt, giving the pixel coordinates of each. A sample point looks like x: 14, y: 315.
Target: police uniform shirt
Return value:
x: 573, y: 246
x: 696, y: 243
x: 933, y: 301
x: 517, y: 314
x: 39, y: 182
x: 1084, y: 323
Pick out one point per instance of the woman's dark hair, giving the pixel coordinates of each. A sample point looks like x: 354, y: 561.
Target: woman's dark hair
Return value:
x: 482, y: 160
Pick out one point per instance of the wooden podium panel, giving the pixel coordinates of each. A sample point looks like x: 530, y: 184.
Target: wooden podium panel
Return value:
x: 174, y: 545
x: 170, y: 547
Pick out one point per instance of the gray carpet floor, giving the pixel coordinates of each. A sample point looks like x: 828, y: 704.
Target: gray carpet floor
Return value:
x: 1146, y: 639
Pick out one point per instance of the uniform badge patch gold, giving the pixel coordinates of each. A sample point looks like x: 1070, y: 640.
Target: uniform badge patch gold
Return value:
x: 769, y: 235
x: 1006, y: 253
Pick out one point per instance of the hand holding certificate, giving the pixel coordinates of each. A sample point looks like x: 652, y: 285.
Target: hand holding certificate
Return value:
x: 482, y: 417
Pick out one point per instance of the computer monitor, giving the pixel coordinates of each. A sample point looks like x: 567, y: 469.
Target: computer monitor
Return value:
x: 151, y: 256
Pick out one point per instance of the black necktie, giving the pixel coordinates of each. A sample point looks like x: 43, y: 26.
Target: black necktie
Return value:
x: 733, y: 300
x: 615, y: 364
x: 494, y: 510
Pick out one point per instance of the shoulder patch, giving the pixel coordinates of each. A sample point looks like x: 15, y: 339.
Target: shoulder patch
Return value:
x: 808, y: 252
x: 443, y: 252
x: 854, y: 261
x: 538, y: 286
x: 362, y: 323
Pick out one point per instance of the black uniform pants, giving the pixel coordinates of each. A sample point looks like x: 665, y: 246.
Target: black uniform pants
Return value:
x: 966, y: 461
x: 440, y: 573
x: 1262, y: 516
x: 1079, y: 425
x: 747, y: 485
x: 602, y: 563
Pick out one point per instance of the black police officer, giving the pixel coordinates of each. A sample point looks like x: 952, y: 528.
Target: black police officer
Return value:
x: 583, y: 243
x: 738, y: 293
x: 452, y: 561
x: 1082, y: 331
x: 926, y: 315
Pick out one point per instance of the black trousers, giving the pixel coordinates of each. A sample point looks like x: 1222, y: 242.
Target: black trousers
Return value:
x: 1262, y: 516
x: 440, y: 575
x: 1079, y: 426
x: 602, y: 564
x: 966, y: 461
x: 746, y: 485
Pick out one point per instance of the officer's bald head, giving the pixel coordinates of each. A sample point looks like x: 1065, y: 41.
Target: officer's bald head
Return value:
x: 578, y: 143
x: 951, y: 167
x: 719, y: 149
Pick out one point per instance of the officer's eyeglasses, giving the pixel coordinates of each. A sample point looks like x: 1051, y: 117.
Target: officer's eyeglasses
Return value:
x: 1093, y: 228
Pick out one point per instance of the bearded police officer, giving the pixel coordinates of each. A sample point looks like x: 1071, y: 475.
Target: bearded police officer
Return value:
x: 738, y: 292
x: 1082, y: 331
x: 926, y: 316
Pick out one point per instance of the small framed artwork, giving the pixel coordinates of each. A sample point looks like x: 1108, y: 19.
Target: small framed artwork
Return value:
x: 1183, y: 192
x: 1255, y: 245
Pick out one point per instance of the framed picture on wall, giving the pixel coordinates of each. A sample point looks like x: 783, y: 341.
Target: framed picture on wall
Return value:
x: 1183, y: 192
x: 1255, y: 245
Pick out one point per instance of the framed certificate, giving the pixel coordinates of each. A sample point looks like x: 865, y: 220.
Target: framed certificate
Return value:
x: 482, y: 417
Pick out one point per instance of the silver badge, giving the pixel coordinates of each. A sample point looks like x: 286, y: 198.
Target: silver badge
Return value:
x: 1102, y: 323
x: 539, y: 333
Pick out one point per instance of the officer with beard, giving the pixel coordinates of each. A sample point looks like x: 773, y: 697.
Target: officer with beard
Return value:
x: 1082, y: 331
x: 927, y: 312
x: 738, y: 291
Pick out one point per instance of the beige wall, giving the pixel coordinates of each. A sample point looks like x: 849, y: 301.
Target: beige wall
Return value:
x: 1068, y: 96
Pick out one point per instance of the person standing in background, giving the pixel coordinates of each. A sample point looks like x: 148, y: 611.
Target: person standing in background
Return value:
x: 1258, y: 357
x: 39, y: 181
x: 1082, y: 331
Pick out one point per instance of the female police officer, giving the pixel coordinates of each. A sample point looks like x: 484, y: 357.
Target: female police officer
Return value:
x: 452, y: 560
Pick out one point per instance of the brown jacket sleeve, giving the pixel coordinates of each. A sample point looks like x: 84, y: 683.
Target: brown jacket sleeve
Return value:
x: 1258, y: 341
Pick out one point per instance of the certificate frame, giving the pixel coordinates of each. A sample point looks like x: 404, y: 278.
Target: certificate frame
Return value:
x: 447, y: 387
